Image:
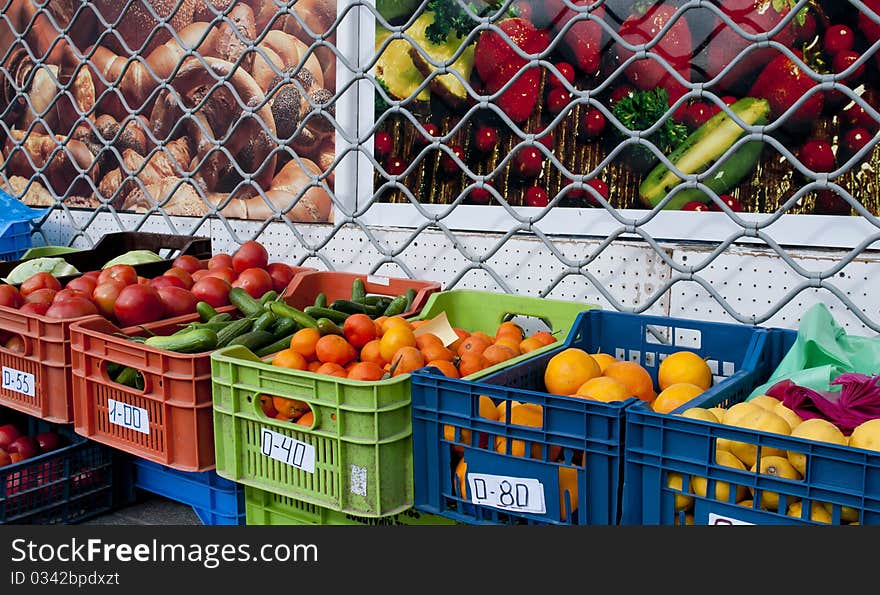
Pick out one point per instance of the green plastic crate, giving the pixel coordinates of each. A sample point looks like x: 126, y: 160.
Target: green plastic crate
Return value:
x: 266, y: 508
x: 362, y: 435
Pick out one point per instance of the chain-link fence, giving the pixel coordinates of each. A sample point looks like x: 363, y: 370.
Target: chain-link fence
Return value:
x: 723, y: 122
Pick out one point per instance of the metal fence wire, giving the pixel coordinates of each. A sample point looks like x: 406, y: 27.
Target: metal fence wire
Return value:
x: 272, y: 111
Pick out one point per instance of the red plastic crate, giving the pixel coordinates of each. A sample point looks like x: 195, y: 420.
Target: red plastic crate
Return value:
x: 336, y: 285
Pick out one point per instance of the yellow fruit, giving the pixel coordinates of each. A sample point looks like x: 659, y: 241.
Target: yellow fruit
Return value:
x: 718, y: 412
x: 688, y: 519
x: 734, y: 412
x: 635, y: 377
x: 602, y: 388
x: 567, y: 483
x: 820, y: 430
x: 682, y: 501
x: 699, y: 485
x: 487, y: 411
x: 674, y: 396
x: 603, y: 359
x: 395, y: 337
x: 765, y: 401
x: 522, y: 414
x: 748, y: 503
x: 501, y: 408
x: 568, y: 370
x: 848, y: 514
x: 817, y: 512
x: 700, y: 413
x: 788, y: 415
x: 684, y: 366
x: 866, y: 435
x: 762, y: 421
x: 461, y: 479
x: 777, y: 467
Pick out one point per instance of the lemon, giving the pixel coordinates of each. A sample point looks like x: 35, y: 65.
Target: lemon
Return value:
x: 762, y: 421
x: 818, y: 512
x: 820, y: 430
x: 699, y: 485
x: 682, y: 501
x: 765, y: 401
x: 866, y: 435
x: 788, y: 415
x: 700, y: 413
x: 777, y: 467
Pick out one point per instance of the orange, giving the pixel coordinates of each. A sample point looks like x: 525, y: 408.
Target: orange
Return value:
x: 303, y: 341
x: 407, y: 359
x: 334, y: 349
x: 288, y: 358
x: 522, y: 414
x: 603, y: 359
x: 489, y: 339
x: 530, y: 344
x: 379, y: 330
x: 603, y: 388
x: 674, y: 396
x: 544, y: 337
x: 568, y: 370
x: 509, y: 329
x: 684, y: 366
x: 417, y: 323
x: 359, y: 330
x: 394, y: 321
x: 394, y: 338
x: 307, y: 420
x: 268, y: 406
x: 290, y: 408
x: 635, y: 377
x: 423, y: 341
x: 473, y: 344
x: 332, y: 369
x: 313, y: 366
x: 462, y: 335
x: 495, y: 354
x: 446, y: 367
x: 567, y: 483
x: 461, y: 479
x: 437, y: 352
x: 487, y: 411
x: 370, y: 353
x: 366, y: 371
x: 509, y: 342
x: 471, y: 363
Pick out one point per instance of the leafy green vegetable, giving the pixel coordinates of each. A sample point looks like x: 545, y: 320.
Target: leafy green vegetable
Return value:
x: 57, y: 267
x: 450, y: 16
x: 642, y: 109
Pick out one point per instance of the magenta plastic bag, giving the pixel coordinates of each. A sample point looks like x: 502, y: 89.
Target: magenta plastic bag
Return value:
x: 857, y: 402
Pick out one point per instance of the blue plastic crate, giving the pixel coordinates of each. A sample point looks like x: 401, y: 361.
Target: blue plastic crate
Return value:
x: 69, y: 485
x: 215, y: 500
x: 587, y: 434
x: 15, y: 240
x: 845, y: 481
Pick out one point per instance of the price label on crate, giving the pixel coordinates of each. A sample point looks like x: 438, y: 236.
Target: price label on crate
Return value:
x: 128, y: 416
x: 717, y: 519
x: 287, y: 450
x: 518, y: 494
x: 20, y: 382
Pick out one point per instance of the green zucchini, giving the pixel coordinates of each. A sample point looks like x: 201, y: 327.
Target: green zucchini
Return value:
x: 233, y: 330
x: 300, y: 317
x: 264, y: 321
x: 253, y: 340
x: 334, y: 315
x: 396, y: 307
x: 274, y: 347
x: 358, y: 291
x: 194, y: 341
x: 699, y: 151
x: 205, y: 311
x: 328, y: 327
x: 242, y: 300
x: 321, y: 300
x: 284, y: 327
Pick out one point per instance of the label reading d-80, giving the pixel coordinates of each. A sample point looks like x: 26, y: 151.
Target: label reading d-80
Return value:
x: 518, y: 494
x: 18, y: 381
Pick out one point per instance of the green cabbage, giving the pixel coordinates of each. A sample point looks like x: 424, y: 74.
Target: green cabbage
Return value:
x: 133, y: 257
x: 58, y: 267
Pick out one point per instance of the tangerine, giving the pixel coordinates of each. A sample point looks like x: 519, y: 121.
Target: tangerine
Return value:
x: 473, y: 344
x: 407, y: 359
x: 509, y: 342
x: 332, y: 369
x: 395, y: 321
x: 426, y: 339
x: 359, y: 330
x: 462, y: 335
x: 522, y: 414
x: 447, y: 368
x: 530, y: 344
x: 675, y: 395
x: 603, y: 359
x: 461, y: 479
x: 509, y: 329
x: 635, y: 377
x: 544, y: 337
x: 684, y: 366
x: 290, y: 408
x: 334, y: 349
x: 313, y: 366
x: 471, y: 363
x: 288, y: 358
x: 568, y: 482
x: 395, y: 338
x: 303, y: 341
x: 307, y: 419
x: 437, y: 352
x: 488, y: 338
x: 603, y: 388
x: 568, y: 370
x: 370, y: 353
x: 366, y: 371
x: 495, y: 354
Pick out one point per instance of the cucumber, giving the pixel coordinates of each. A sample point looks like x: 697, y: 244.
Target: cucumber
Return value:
x: 242, y: 300
x: 279, y: 344
x: 298, y: 316
x: 321, y: 300
x: 375, y: 300
x: 206, y: 311
x: 350, y: 307
x: 702, y: 149
x: 334, y: 315
x: 284, y: 327
x: 358, y: 291
x: 253, y: 340
x: 233, y: 330
x: 396, y: 307
x: 222, y: 317
x: 129, y: 377
x: 194, y: 341
x: 264, y: 321
x: 410, y: 298
x: 328, y: 327
x: 269, y: 296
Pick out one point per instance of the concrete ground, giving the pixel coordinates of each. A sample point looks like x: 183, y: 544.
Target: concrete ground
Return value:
x: 149, y: 509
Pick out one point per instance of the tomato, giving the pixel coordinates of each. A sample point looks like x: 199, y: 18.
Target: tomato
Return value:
x: 41, y: 296
x: 281, y: 275
x: 66, y: 294
x: 166, y: 281
x: 105, y: 295
x: 143, y: 280
x: 92, y: 275
x: 177, y: 301
x: 14, y: 343
x: 39, y: 281
x: 219, y: 261
x: 188, y: 263
x: 10, y: 297
x: 250, y: 255
x: 38, y: 308
x: 124, y: 272
x: 138, y: 304
x: 85, y: 284
x: 72, y: 307
x: 254, y: 281
x: 225, y: 273
x: 182, y: 275
x: 198, y: 275
x: 8, y: 433
x: 213, y: 290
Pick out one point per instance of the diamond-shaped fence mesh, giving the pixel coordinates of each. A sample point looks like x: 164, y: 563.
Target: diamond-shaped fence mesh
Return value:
x: 521, y: 146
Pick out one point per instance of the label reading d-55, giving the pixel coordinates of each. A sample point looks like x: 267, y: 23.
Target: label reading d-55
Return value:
x: 128, y: 416
x: 287, y: 450
x: 520, y: 494
x: 20, y: 382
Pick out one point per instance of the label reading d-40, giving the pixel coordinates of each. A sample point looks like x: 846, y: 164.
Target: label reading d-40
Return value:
x: 519, y: 494
x: 18, y: 381
x: 287, y: 450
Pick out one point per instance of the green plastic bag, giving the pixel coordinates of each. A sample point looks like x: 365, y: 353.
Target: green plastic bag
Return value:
x: 822, y: 352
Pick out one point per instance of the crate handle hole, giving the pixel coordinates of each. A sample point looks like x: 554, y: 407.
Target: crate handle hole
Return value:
x: 15, y: 343
x: 292, y: 410
x: 122, y: 375
x: 531, y: 324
